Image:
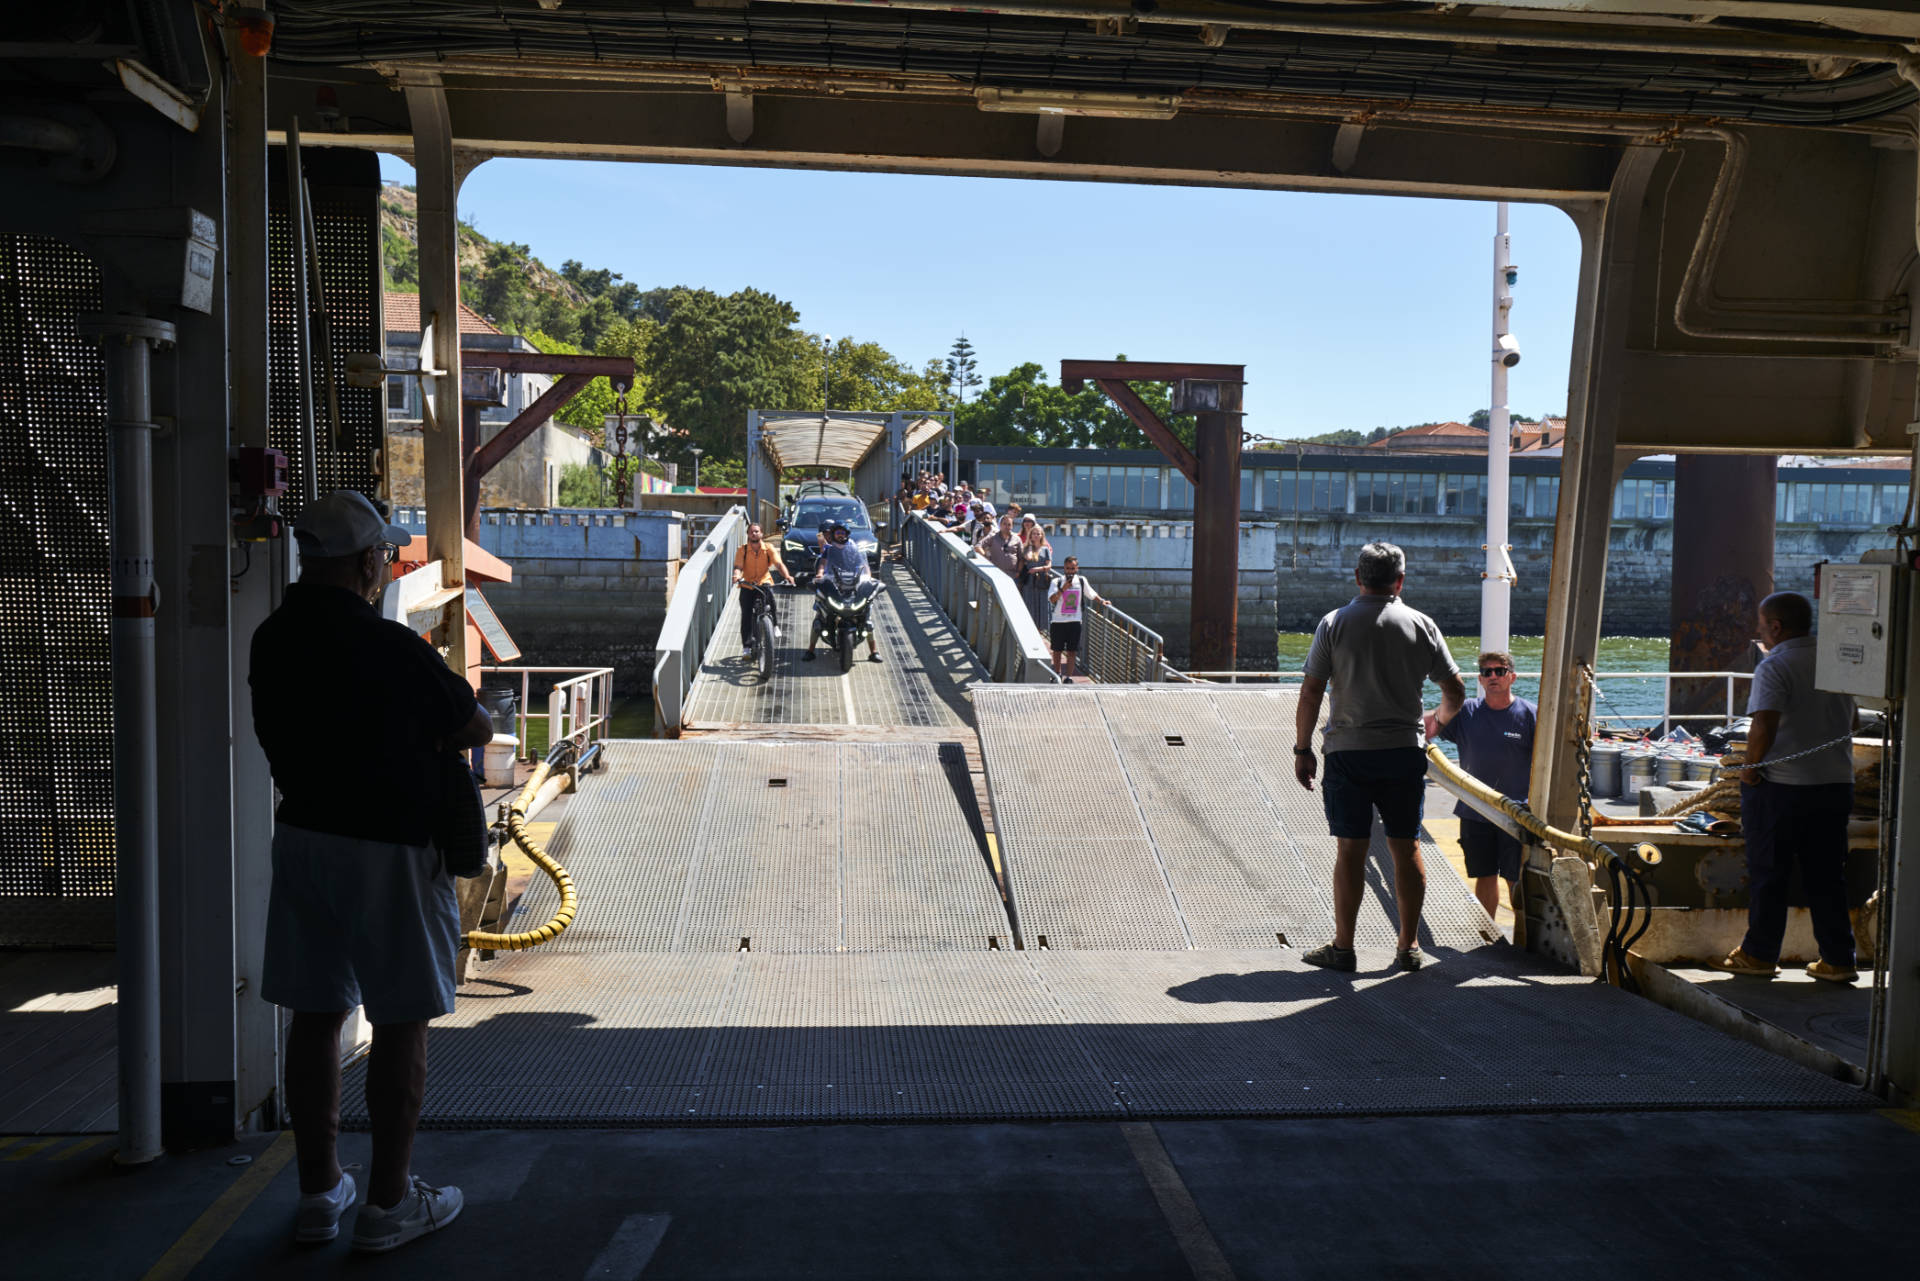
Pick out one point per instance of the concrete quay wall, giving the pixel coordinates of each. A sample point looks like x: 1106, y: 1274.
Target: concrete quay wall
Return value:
x: 1292, y: 573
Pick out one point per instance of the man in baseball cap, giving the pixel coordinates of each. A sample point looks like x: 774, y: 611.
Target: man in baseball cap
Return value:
x: 345, y: 522
x: 355, y: 713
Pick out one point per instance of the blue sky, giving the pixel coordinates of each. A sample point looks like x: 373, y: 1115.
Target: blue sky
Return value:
x: 1348, y: 311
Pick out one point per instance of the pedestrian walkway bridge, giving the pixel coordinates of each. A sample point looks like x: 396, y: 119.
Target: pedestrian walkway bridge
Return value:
x: 822, y: 930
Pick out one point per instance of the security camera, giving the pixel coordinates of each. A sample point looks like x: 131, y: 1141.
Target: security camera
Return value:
x: 1506, y: 349
x: 1513, y: 275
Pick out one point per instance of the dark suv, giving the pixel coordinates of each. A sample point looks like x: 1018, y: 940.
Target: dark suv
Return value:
x: 800, y: 538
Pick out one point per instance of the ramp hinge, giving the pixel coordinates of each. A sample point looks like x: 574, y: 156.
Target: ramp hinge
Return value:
x: 1282, y: 937
x: 746, y: 944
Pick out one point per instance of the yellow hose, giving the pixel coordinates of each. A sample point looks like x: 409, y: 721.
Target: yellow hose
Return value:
x: 1462, y: 781
x: 569, y: 900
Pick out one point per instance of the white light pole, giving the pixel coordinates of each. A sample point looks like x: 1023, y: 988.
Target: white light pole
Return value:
x: 1496, y: 588
x: 696, y: 451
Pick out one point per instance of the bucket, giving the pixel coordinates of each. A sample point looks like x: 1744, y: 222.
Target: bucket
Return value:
x: 1604, y: 769
x: 1700, y: 768
x: 1637, y: 771
x: 501, y: 704
x: 497, y: 766
x: 1670, y: 769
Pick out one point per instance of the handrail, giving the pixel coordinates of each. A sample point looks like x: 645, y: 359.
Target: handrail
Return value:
x: 983, y: 603
x: 579, y: 708
x: 693, y: 618
x: 1522, y: 823
x: 1118, y: 649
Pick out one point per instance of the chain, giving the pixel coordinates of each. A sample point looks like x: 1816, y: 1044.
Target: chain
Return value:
x: 1583, y: 748
x: 620, y: 452
x: 1734, y: 766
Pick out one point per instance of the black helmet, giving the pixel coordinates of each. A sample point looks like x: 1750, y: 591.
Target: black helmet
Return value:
x: 835, y: 527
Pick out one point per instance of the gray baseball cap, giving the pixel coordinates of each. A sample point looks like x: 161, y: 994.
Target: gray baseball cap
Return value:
x: 345, y: 522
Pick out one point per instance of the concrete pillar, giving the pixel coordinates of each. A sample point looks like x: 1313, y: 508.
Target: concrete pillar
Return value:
x: 1722, y: 569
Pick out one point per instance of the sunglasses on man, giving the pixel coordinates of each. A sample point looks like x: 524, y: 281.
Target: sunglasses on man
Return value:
x: 1491, y: 672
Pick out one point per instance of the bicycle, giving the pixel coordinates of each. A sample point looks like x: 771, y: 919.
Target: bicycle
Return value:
x: 762, y: 628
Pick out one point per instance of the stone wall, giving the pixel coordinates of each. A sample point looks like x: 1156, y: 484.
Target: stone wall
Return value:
x: 1145, y: 566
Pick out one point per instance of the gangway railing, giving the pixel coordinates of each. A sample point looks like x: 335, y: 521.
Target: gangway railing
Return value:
x: 579, y: 706
x: 693, y: 616
x: 1118, y: 649
x: 983, y: 603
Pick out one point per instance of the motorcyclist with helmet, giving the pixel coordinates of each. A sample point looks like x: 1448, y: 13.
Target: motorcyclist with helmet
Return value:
x: 840, y: 556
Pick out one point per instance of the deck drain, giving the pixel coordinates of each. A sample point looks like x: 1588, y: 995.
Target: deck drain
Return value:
x: 1282, y: 937
x: 1043, y: 943
x: 1175, y: 740
x: 776, y: 782
x: 746, y: 944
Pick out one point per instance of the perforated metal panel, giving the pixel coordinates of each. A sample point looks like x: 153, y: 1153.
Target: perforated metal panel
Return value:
x: 346, y: 211
x: 56, y: 684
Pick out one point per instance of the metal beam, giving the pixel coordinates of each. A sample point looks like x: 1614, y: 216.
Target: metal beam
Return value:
x: 491, y: 454
x: 1075, y: 373
x: 1147, y: 421
x: 616, y: 369
x: 438, y: 187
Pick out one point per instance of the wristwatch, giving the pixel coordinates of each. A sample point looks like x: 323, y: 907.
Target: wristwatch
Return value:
x: 1303, y: 751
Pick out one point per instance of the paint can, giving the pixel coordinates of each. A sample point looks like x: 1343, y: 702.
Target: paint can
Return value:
x: 1604, y: 769
x: 1700, y: 768
x: 1638, y: 771
x: 1670, y: 770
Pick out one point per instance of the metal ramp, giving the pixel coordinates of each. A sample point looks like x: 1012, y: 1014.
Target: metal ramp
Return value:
x: 1161, y: 873
x: 926, y: 677
x: 706, y: 846
x: 1169, y: 818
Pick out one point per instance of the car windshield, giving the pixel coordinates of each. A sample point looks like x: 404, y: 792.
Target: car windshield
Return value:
x: 814, y: 515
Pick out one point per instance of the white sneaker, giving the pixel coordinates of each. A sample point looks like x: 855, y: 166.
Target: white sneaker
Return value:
x: 425, y: 1209
x: 318, y: 1218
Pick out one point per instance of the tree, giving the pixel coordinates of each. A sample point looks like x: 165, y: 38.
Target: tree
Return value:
x: 960, y: 370
x: 866, y: 377
x: 582, y: 486
x: 713, y: 358
x: 1021, y: 407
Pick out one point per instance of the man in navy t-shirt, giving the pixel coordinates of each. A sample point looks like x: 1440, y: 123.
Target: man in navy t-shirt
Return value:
x: 1495, y: 737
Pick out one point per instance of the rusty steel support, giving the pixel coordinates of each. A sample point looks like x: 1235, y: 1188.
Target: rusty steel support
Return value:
x: 575, y: 373
x: 1723, y: 509
x: 1214, y: 395
x: 1215, y: 618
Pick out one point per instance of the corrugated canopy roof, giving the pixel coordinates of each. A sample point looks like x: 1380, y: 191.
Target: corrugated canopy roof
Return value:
x: 836, y: 440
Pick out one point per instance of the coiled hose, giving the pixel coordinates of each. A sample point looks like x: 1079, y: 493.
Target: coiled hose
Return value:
x: 521, y: 940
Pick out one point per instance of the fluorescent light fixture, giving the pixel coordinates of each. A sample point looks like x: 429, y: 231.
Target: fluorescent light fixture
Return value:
x: 1068, y: 102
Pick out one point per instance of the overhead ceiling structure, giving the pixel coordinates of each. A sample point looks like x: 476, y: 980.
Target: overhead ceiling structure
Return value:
x: 838, y: 440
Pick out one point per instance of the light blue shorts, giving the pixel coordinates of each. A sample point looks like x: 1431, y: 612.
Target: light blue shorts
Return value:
x: 353, y: 922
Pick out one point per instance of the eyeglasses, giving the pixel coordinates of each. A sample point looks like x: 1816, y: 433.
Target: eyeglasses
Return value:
x: 1491, y: 672
x: 389, y: 552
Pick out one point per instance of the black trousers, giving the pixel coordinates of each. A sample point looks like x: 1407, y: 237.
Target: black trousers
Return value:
x: 749, y: 603
x: 1787, y: 824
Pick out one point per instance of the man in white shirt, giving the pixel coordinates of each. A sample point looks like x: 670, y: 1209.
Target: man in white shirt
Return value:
x: 1795, y: 810
x: 1069, y: 598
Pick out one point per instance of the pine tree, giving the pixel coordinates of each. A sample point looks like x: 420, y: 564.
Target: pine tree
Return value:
x: 960, y: 369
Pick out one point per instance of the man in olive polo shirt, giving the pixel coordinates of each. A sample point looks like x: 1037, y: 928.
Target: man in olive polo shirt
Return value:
x: 1376, y: 654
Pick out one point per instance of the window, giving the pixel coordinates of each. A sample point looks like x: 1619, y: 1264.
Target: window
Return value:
x: 1466, y: 494
x: 1179, y: 491
x: 400, y: 387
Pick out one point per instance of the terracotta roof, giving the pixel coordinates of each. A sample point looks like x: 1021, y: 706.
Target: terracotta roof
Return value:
x: 1430, y: 429
x: 403, y: 316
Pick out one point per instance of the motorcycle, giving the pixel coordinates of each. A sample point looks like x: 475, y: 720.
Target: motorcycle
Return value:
x: 841, y: 606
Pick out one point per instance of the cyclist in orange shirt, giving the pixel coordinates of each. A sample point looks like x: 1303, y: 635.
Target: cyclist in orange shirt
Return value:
x: 754, y: 566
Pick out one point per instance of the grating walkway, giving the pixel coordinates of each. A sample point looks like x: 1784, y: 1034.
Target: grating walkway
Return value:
x: 711, y: 1039
x: 1178, y: 824
x: 691, y: 847
x: 808, y: 931
x: 926, y: 677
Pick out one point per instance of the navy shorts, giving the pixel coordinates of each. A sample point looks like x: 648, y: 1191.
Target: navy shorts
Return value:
x: 1489, y: 851
x: 1065, y: 638
x: 1392, y: 780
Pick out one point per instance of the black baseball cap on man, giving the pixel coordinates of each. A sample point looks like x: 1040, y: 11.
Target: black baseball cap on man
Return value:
x: 345, y: 522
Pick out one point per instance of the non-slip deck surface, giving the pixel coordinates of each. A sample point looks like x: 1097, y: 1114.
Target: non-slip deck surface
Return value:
x: 1167, y: 817
x: 633, y: 1039
x: 925, y: 677
x: 1158, y: 841
x: 689, y: 847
